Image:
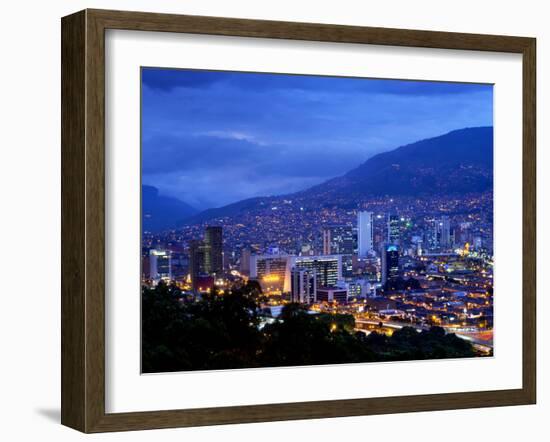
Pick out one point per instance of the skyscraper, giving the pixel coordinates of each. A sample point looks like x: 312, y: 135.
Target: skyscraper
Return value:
x: 390, y: 263
x: 213, y: 241
x: 303, y: 285
x: 179, y: 264
x: 445, y: 232
x: 364, y: 233
x: 160, y: 263
x: 327, y: 241
x: 432, y: 234
x: 197, y: 253
x: 393, y: 229
x: 341, y: 240
x: 440, y: 236
x: 327, y: 268
x: 245, y: 261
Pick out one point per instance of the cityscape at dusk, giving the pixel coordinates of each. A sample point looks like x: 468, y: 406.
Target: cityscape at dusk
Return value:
x: 303, y: 220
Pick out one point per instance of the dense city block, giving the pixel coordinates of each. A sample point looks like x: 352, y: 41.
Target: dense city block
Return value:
x: 387, y: 265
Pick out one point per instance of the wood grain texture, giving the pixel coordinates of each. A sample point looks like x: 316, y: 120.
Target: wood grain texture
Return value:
x: 73, y: 254
x: 529, y: 221
x: 145, y: 21
x: 95, y: 222
x: 83, y: 220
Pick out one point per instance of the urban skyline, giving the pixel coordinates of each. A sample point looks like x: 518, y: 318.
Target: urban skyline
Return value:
x: 384, y: 257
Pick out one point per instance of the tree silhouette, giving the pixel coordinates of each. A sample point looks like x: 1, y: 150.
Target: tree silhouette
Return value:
x: 217, y: 331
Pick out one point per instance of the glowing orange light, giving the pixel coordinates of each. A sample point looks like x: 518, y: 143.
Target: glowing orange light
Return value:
x: 271, y: 278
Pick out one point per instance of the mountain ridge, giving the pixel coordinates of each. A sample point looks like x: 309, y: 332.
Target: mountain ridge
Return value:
x: 460, y: 161
x: 424, y: 167
x: 160, y: 212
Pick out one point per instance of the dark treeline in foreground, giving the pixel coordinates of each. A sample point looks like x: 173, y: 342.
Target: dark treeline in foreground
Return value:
x: 222, y: 332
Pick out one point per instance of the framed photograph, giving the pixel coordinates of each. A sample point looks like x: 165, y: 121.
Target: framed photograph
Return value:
x: 267, y: 220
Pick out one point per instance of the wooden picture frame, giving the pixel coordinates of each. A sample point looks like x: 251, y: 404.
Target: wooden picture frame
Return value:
x: 83, y: 220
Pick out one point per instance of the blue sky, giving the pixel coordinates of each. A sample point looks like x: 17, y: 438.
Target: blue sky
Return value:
x: 213, y: 138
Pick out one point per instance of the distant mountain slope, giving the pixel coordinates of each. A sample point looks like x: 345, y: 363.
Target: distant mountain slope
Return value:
x: 230, y: 210
x: 162, y: 212
x: 457, y: 162
x: 460, y: 161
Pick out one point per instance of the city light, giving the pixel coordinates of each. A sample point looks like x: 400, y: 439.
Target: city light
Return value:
x: 271, y: 278
x: 397, y: 246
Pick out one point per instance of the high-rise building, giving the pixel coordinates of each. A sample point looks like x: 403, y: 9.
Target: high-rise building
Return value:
x: 197, y: 268
x: 327, y: 241
x: 272, y: 270
x: 145, y: 267
x: 463, y: 233
x: 440, y: 234
x: 213, y: 259
x: 303, y: 286
x: 390, y: 263
x: 394, y: 234
x: 444, y: 232
x: 432, y: 234
x: 364, y: 233
x: 160, y: 265
x: 179, y: 264
x: 338, y: 240
x: 245, y: 261
x: 347, y: 266
x: 327, y: 268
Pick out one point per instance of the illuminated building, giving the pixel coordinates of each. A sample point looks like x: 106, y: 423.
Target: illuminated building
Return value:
x: 347, y: 266
x: 197, y: 253
x: 360, y: 288
x: 160, y: 265
x: 416, y: 241
x: 332, y: 294
x: 393, y: 230
x: 327, y: 241
x: 390, y: 263
x: 439, y: 236
x: 213, y: 258
x: 463, y: 233
x: 431, y: 234
x: 272, y: 271
x: 179, y: 265
x: 339, y: 239
x: 444, y: 232
x: 364, y: 233
x: 303, y: 285
x: 327, y: 268
x: 206, y: 257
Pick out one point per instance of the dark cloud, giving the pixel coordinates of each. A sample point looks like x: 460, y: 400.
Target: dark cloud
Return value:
x: 168, y: 79
x: 225, y: 169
